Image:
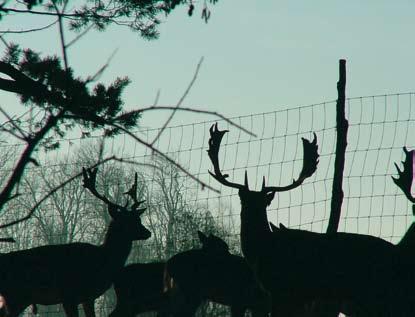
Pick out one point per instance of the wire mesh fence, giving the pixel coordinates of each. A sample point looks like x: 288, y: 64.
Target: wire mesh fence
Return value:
x: 379, y: 127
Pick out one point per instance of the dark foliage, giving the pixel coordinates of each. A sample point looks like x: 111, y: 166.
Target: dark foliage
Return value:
x: 142, y: 16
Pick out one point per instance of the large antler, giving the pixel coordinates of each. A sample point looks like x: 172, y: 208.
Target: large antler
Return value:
x: 132, y: 192
x: 310, y: 161
x: 406, y: 176
x: 214, y: 144
x: 89, y: 182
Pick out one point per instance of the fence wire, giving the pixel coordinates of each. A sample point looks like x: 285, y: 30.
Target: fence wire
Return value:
x: 379, y: 126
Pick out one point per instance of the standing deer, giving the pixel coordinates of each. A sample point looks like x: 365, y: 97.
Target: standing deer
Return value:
x: 190, y: 277
x: 139, y: 288
x: 298, y: 267
x: 73, y: 273
x: 214, y: 274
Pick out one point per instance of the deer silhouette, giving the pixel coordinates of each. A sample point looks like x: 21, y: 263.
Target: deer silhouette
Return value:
x: 139, y: 288
x: 213, y: 273
x: 298, y: 267
x: 177, y: 287
x: 74, y: 273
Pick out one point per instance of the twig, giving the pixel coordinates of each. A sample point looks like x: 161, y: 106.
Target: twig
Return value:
x: 79, y: 36
x: 4, y: 42
x: 166, y: 157
x: 29, y: 30
x: 102, y: 69
x: 62, y: 37
x: 187, y: 109
x: 180, y: 101
x: 65, y: 15
x: 22, y: 136
x: 156, y: 100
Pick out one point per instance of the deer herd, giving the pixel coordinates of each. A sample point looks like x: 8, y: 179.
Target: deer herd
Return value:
x: 283, y: 271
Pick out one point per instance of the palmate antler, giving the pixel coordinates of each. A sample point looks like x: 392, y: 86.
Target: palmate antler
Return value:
x: 89, y: 182
x: 310, y: 161
x: 406, y: 176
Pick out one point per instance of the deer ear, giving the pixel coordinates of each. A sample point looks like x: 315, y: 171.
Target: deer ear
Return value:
x: 202, y: 237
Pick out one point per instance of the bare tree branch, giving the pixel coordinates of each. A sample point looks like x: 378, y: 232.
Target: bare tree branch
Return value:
x: 61, y: 34
x: 25, y: 158
x: 180, y: 101
x: 29, y: 30
x: 23, y: 135
x: 65, y: 15
x: 187, y: 109
x: 79, y: 36
x: 170, y: 160
x: 102, y: 69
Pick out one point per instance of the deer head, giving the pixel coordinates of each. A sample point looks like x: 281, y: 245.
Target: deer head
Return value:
x: 262, y: 198
x: 128, y: 218
x: 213, y: 243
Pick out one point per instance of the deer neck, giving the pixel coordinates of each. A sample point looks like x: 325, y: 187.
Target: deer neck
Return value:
x: 255, y: 232
x: 408, y: 240
x: 117, y: 246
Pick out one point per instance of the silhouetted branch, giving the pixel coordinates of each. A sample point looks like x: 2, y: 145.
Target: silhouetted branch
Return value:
x: 25, y: 158
x: 29, y: 30
x: 66, y: 15
x: 61, y: 34
x: 79, y: 36
x: 341, y: 144
x: 102, y: 69
x: 180, y: 101
x: 103, y: 121
x: 22, y: 135
x: 186, y: 109
x: 166, y: 157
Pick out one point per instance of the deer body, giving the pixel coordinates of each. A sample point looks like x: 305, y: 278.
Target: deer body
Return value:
x: 139, y: 289
x: 299, y: 267
x: 62, y: 273
x: 71, y: 273
x: 218, y: 276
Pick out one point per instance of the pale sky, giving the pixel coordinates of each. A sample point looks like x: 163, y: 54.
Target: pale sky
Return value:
x: 259, y: 56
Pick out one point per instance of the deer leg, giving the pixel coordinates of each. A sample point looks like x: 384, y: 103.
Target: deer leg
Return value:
x: 89, y: 308
x: 14, y: 310
x: 71, y: 310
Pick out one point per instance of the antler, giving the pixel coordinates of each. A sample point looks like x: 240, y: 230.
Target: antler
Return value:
x: 310, y: 161
x: 406, y: 176
x: 214, y: 144
x: 89, y: 182
x: 132, y: 192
